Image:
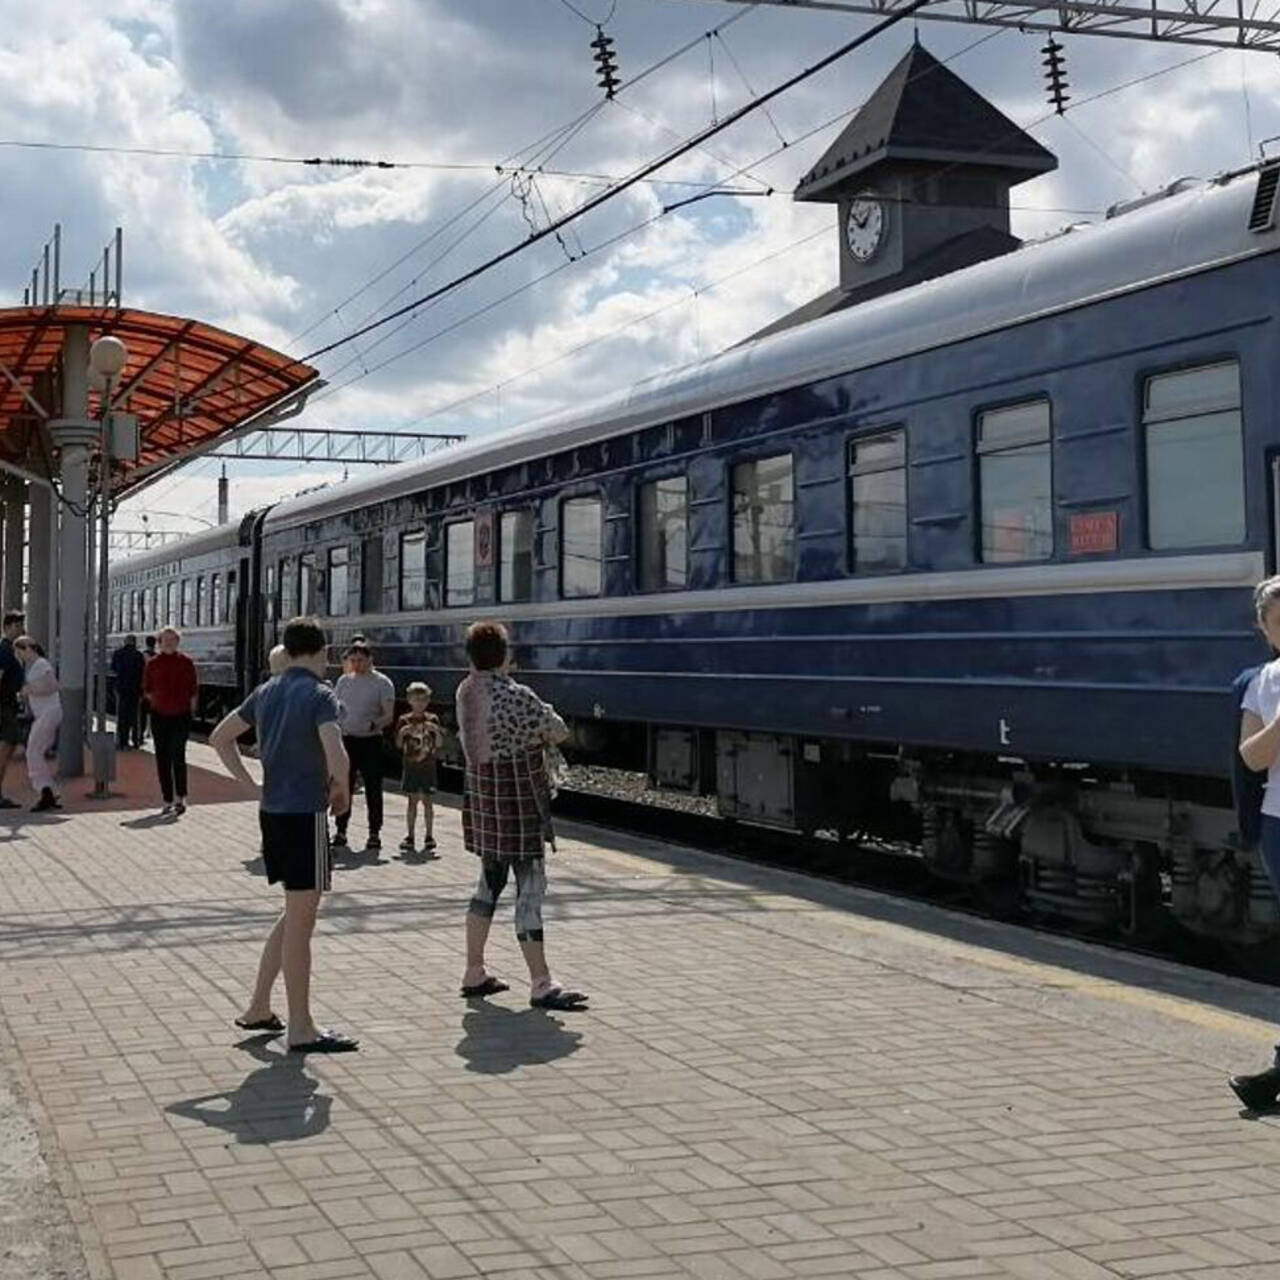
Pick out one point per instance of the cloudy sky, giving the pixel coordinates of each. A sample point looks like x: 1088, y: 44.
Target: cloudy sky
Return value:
x: 298, y: 256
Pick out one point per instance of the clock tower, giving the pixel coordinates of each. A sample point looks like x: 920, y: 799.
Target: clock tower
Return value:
x: 921, y: 178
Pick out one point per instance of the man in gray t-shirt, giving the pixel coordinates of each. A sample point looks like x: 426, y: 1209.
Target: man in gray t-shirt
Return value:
x: 368, y: 702
x: 304, y: 772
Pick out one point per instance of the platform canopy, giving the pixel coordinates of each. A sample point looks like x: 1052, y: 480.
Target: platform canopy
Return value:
x: 191, y: 386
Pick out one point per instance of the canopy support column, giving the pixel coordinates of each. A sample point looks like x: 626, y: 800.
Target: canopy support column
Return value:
x: 40, y: 566
x: 73, y: 434
x: 15, y: 512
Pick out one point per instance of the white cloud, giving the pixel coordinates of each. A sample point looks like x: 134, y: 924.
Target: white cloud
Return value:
x: 276, y: 251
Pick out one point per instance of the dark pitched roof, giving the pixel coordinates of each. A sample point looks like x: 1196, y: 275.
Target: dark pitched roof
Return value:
x: 923, y: 111
x: 964, y: 250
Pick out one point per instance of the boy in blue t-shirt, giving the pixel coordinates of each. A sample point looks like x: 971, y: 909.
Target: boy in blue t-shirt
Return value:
x: 304, y: 774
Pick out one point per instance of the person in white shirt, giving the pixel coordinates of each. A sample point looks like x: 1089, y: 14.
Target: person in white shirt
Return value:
x: 40, y: 689
x: 1260, y: 751
x: 368, y: 702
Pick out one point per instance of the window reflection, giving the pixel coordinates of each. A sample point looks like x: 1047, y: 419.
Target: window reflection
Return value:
x: 763, y: 520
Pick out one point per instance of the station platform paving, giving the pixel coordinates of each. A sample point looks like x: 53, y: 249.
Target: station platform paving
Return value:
x: 777, y: 1077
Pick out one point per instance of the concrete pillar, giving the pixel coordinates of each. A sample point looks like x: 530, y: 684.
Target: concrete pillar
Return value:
x: 15, y: 528
x: 74, y: 434
x: 40, y: 567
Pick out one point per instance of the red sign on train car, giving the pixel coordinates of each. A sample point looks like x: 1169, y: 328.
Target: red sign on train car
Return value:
x: 1094, y: 532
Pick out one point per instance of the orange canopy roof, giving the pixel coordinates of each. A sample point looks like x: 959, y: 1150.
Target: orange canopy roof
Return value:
x: 189, y: 384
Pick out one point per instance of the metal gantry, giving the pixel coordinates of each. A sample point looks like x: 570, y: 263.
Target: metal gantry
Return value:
x: 144, y: 539
x: 315, y: 444
x: 1229, y: 24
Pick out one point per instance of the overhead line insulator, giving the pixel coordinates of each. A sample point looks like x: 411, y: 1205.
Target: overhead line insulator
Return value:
x: 1056, y: 76
x: 606, y: 62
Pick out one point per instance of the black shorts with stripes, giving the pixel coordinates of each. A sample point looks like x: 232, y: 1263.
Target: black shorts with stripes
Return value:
x: 295, y: 849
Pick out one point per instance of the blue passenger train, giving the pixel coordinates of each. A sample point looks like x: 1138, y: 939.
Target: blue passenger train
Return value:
x: 972, y: 558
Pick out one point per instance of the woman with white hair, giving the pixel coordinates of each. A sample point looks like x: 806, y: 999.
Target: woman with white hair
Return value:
x: 277, y: 660
x: 40, y: 689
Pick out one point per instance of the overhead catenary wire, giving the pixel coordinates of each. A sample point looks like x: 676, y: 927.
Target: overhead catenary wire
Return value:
x: 649, y: 168
x: 562, y: 135
x: 1015, y: 129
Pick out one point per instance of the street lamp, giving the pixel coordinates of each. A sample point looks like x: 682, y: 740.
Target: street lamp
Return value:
x: 107, y: 358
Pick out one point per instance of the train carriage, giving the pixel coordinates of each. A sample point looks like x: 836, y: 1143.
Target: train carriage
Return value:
x: 978, y: 551
x: 201, y: 586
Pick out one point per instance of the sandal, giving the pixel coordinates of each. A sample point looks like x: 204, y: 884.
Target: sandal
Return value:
x: 327, y: 1042
x: 559, y: 998
x: 491, y: 986
x: 271, y: 1023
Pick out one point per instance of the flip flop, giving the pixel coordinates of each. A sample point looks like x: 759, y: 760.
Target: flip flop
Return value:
x: 328, y: 1042
x: 272, y: 1023
x: 559, y: 998
x: 489, y: 987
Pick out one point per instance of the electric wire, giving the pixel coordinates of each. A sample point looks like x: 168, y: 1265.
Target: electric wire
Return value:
x: 1014, y: 131
x: 652, y: 166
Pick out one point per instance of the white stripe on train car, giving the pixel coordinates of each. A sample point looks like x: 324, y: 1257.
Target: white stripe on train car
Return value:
x: 1236, y: 569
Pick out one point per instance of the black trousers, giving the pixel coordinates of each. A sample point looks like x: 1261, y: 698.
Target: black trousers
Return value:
x: 366, y: 761
x: 170, y: 734
x: 128, y: 725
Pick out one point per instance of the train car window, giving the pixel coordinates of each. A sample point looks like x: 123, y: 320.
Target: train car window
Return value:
x: 188, y: 613
x: 308, y: 596
x: 413, y: 569
x: 339, y: 600
x: 217, y: 614
x: 1193, y: 438
x: 171, y: 618
x: 233, y: 601
x: 764, y: 520
x: 202, y: 602
x: 878, y: 502
x: 371, y: 574
x: 1015, y: 483
x: 515, y: 556
x: 288, y: 588
x: 271, y: 601
x: 135, y: 620
x: 663, y: 564
x: 581, y: 525
x: 460, y: 563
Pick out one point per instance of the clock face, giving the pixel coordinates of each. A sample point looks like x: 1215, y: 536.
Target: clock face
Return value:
x: 864, y: 226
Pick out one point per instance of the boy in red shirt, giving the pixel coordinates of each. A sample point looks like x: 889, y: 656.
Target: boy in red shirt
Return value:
x: 172, y: 691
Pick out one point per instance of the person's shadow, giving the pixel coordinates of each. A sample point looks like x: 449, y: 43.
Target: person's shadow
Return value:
x: 497, y: 1040
x: 276, y: 1103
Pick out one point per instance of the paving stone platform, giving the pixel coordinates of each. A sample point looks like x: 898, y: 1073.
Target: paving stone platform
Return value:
x: 776, y: 1078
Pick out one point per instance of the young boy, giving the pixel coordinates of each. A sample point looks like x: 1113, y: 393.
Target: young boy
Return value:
x: 419, y: 737
x: 305, y: 772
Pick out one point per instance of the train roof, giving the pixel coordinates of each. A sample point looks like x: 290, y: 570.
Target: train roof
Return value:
x: 224, y: 535
x: 1196, y: 226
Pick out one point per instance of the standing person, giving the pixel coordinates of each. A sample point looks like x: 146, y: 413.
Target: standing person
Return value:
x: 45, y: 704
x: 128, y: 665
x: 144, y: 711
x: 368, y: 701
x: 419, y: 737
x: 1260, y: 754
x: 304, y: 772
x: 11, y: 678
x: 173, y: 693
x: 506, y: 815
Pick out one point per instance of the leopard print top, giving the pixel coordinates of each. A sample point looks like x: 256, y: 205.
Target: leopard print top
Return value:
x: 499, y: 718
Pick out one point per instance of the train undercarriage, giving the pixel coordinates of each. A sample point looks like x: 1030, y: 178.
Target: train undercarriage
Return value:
x: 1103, y: 850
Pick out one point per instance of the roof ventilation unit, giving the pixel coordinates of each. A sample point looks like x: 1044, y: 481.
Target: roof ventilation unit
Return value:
x: 1262, y: 217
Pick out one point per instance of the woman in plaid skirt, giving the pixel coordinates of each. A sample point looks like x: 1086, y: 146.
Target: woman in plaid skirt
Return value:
x: 506, y: 731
